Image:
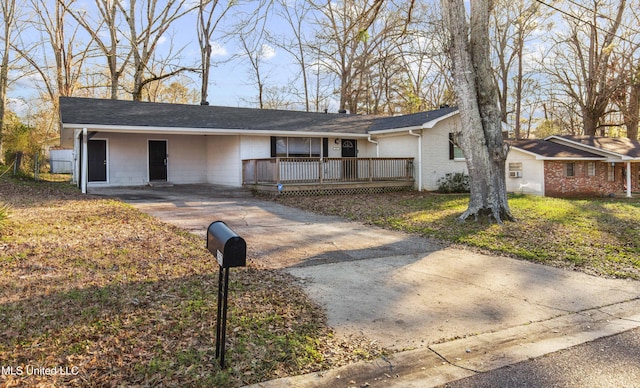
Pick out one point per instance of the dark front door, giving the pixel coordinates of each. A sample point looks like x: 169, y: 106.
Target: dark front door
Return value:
x: 157, y: 160
x: 97, y: 157
x: 349, y: 167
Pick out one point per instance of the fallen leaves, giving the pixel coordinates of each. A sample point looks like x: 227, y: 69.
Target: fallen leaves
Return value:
x: 92, y: 284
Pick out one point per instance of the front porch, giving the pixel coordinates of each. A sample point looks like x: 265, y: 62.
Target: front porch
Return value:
x: 302, y: 176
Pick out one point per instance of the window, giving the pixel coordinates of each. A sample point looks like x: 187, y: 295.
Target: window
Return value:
x: 591, y: 168
x: 298, y: 146
x: 570, y: 169
x: 455, y: 152
x: 611, y: 172
x: 515, y: 170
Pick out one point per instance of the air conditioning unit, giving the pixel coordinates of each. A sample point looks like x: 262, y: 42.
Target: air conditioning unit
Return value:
x: 515, y: 174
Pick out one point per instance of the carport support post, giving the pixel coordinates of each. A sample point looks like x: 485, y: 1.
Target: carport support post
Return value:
x: 84, y: 163
x: 221, y: 322
x: 628, y: 179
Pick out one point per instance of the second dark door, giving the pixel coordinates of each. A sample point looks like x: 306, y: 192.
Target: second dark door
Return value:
x: 97, y: 160
x: 157, y: 160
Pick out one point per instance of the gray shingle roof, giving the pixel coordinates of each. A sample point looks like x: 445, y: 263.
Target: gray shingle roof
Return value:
x: 410, y: 120
x: 147, y: 114
x: 619, y: 145
x: 552, y: 150
x: 89, y: 111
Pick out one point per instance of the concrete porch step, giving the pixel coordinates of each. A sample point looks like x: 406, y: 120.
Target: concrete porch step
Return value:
x: 160, y: 184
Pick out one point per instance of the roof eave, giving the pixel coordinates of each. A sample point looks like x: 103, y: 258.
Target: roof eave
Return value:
x: 206, y: 131
x: 558, y: 158
x: 515, y: 148
x: 432, y: 123
x: 574, y: 158
x: 395, y: 130
x: 586, y: 147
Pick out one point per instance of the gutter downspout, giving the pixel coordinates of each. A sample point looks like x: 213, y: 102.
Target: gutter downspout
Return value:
x: 84, y: 163
x: 377, y: 146
x: 628, y: 179
x: 419, y: 135
x: 76, y: 157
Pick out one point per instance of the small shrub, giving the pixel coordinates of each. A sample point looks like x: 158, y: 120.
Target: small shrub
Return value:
x: 454, y: 183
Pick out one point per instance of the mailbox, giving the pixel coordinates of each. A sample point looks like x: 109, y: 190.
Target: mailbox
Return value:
x: 229, y: 249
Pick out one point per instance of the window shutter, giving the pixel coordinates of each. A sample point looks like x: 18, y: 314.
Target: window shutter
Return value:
x: 451, y: 148
x: 273, y: 146
x: 325, y: 147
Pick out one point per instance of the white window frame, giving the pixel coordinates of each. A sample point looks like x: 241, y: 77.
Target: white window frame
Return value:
x: 515, y: 169
x: 591, y: 168
x: 611, y: 172
x: 311, y: 141
x: 570, y: 167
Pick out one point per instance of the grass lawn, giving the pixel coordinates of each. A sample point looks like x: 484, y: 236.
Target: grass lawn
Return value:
x: 598, y: 236
x: 104, y: 295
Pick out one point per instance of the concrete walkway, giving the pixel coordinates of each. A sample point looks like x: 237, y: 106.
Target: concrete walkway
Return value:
x: 449, y: 313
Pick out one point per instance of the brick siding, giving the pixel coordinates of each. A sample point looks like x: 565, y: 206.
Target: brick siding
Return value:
x: 558, y: 184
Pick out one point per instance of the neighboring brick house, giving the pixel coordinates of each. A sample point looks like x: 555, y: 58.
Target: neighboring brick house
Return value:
x: 573, y: 166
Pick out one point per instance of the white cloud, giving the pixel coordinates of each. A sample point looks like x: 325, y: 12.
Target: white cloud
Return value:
x: 18, y: 106
x: 217, y: 50
x: 162, y: 39
x: 267, y: 52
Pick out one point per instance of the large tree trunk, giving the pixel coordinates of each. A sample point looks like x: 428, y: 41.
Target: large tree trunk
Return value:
x: 4, y: 73
x: 481, y: 136
x: 632, y: 119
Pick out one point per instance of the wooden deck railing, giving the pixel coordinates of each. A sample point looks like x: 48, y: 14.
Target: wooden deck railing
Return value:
x: 325, y: 170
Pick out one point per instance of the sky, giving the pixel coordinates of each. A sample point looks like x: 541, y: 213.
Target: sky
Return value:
x: 230, y: 81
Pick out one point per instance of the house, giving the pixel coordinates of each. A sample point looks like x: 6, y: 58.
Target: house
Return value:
x: 570, y: 166
x: 127, y: 143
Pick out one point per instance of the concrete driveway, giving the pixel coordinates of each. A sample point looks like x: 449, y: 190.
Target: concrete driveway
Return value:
x: 458, y: 312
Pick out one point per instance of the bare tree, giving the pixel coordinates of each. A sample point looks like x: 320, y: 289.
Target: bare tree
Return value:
x: 626, y: 62
x: 210, y: 13
x: 56, y: 54
x: 8, y: 15
x: 628, y: 100
x: 104, y: 29
x: 513, y: 23
x: 321, y: 85
x: 181, y: 90
x: 252, y: 35
x: 340, y: 32
x: 255, y: 50
x: 277, y: 98
x: 383, y: 82
x: 581, y: 63
x: 380, y: 79
x: 480, y: 137
x: 69, y: 52
x: 346, y: 46
x: 146, y: 34
x: 295, y: 16
x: 427, y: 65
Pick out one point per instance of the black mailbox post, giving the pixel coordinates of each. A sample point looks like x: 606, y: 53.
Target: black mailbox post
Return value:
x: 230, y: 250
